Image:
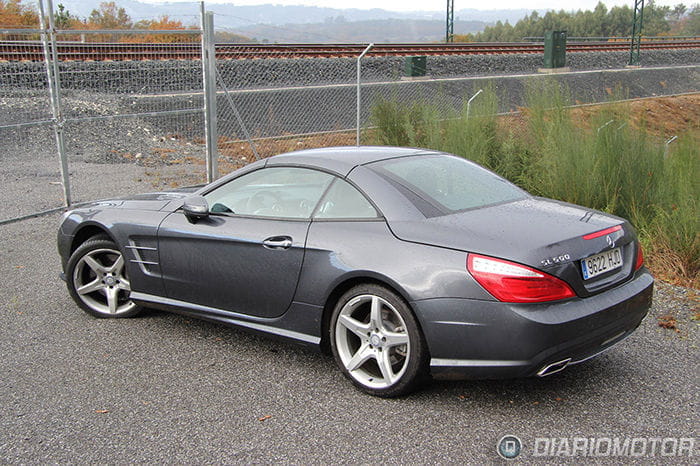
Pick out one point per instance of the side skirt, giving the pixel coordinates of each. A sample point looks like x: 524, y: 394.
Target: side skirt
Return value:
x: 279, y: 327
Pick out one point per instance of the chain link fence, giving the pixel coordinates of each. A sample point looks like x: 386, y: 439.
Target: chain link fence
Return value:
x: 135, y: 117
x: 274, y: 105
x: 29, y: 158
x: 139, y: 119
x: 75, y: 130
x: 126, y: 122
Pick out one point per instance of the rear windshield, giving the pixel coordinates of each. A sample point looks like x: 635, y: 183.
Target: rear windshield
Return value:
x: 446, y: 183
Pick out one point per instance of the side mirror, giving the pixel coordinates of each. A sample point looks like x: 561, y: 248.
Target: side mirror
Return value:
x: 195, y: 208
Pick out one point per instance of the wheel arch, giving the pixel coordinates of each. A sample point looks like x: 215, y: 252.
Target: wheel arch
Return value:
x: 346, y: 284
x: 87, y: 232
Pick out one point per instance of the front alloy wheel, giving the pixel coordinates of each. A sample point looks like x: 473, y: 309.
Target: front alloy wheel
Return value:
x: 97, y: 280
x: 376, y: 341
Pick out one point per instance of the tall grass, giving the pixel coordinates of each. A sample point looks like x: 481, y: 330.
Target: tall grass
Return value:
x: 675, y: 227
x: 605, y: 163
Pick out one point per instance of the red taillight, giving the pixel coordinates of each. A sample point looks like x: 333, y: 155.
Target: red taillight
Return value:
x: 514, y: 283
x: 640, y: 258
x: 600, y: 233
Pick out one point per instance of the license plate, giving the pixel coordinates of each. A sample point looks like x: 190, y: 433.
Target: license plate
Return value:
x: 597, y: 264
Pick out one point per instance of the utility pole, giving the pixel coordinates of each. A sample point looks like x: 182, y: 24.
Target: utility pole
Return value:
x: 637, y: 24
x: 450, y: 23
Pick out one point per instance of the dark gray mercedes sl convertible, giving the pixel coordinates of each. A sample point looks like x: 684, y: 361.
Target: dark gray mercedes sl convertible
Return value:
x: 404, y: 262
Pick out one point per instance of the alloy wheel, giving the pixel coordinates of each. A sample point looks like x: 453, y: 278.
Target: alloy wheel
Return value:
x: 101, y: 283
x: 372, y: 341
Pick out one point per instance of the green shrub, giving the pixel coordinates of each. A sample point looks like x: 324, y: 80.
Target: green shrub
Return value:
x: 400, y: 124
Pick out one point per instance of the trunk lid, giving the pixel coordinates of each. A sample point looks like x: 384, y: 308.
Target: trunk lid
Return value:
x: 541, y: 233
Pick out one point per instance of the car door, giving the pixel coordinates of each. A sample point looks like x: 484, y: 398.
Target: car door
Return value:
x: 246, y: 256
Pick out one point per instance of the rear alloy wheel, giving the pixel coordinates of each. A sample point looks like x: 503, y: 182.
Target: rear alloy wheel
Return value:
x: 376, y: 341
x: 98, y: 282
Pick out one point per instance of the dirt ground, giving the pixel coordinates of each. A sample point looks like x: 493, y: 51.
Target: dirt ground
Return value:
x: 662, y: 116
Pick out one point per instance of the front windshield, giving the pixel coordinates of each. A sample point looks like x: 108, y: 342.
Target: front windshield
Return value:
x: 448, y: 183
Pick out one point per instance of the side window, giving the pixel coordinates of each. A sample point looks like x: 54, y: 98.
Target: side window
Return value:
x: 285, y: 192
x: 344, y: 201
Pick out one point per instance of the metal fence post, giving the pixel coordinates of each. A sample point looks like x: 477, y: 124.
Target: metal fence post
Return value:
x: 359, y: 78
x: 54, y: 81
x: 209, y: 84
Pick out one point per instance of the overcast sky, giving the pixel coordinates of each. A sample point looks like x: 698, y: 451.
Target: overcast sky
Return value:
x: 415, y: 5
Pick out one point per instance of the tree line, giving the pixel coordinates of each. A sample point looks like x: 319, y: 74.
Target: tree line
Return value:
x: 16, y: 14
x: 601, y: 22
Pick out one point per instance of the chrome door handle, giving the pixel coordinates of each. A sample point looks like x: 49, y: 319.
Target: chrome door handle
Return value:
x: 278, y: 242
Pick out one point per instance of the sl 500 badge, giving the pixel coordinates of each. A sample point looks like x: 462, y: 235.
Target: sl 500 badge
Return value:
x: 556, y: 260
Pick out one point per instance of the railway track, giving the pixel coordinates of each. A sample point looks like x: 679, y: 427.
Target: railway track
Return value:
x: 118, y: 51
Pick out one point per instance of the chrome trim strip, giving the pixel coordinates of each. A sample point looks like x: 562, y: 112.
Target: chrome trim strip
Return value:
x: 136, y: 261
x: 469, y: 324
x: 145, y: 248
x: 440, y: 362
x: 232, y: 317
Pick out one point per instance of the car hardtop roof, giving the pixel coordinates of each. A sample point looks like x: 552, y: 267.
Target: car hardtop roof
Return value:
x: 342, y: 160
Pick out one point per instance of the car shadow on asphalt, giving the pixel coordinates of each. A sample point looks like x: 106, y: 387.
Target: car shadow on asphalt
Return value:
x: 609, y: 372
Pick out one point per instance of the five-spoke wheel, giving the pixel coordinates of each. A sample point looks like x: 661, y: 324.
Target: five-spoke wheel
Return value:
x: 376, y: 341
x: 97, y: 280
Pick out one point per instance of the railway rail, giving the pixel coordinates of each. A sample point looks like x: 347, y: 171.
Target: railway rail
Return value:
x: 116, y: 51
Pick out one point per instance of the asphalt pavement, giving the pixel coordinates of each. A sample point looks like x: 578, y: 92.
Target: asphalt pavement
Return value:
x: 162, y: 388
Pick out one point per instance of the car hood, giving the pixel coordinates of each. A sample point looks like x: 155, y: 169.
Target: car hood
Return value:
x: 148, y: 201
x: 531, y: 231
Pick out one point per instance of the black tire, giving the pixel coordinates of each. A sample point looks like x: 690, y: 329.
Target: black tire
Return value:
x: 97, y: 280
x: 384, y: 357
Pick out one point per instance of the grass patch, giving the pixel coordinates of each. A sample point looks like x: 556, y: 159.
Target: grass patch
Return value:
x: 611, y: 161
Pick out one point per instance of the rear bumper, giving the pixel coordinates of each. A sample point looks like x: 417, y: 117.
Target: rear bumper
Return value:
x: 487, y: 339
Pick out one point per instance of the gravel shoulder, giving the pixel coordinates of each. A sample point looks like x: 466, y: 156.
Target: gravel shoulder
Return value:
x: 164, y: 388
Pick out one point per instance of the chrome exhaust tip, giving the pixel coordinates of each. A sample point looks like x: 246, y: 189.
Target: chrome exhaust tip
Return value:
x: 553, y: 368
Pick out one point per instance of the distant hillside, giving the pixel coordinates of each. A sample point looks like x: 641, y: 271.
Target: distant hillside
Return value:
x: 341, y: 31
x: 236, y: 16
